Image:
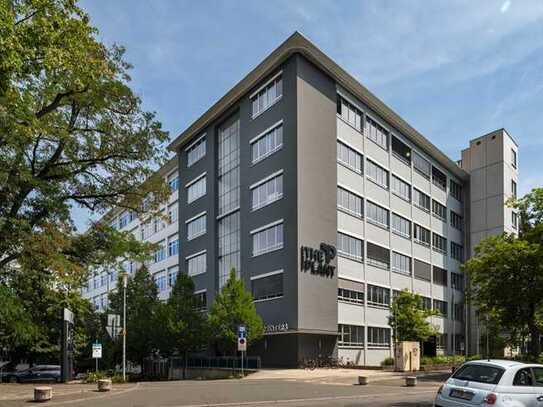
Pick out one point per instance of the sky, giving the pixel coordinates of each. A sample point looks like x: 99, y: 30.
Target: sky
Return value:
x: 454, y: 70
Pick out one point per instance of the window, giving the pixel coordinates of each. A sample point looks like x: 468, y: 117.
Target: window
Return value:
x: 200, y: 300
x: 440, y: 276
x: 441, y: 341
x: 523, y: 378
x: 441, y: 307
x: 376, y: 133
x: 421, y: 165
x: 439, y: 211
x: 421, y: 200
x: 346, y: 295
x: 196, y: 151
x: 401, y: 151
x: 421, y: 235
x: 160, y: 253
x: 514, y: 220
x: 349, y: 157
x: 267, y: 191
x: 124, y: 220
x: 228, y: 167
x: 267, y: 286
x: 400, y: 188
x: 422, y: 270
x: 172, y: 275
x: 229, y: 246
x: 268, y: 143
x: 268, y: 239
x: 350, y: 335
x: 457, y: 281
x: 196, y: 264
x: 538, y: 376
x: 479, y: 373
x: 514, y: 189
x: 457, y: 251
x: 349, y: 202
x: 401, y: 226
x: 103, y: 280
x: 196, y: 189
x: 173, y: 182
x: 456, y: 190
x: 161, y: 283
x: 439, y: 179
x: 349, y: 246
x: 265, y: 97
x: 456, y: 221
x: 196, y: 226
x: 172, y: 213
x: 377, y: 214
x: 377, y: 174
x: 426, y: 303
x: 377, y: 256
x: 379, y: 296
x: 147, y: 230
x: 348, y: 112
x: 514, y: 158
x: 378, y: 337
x: 401, y: 263
x: 439, y: 243
x: 173, y: 246
x: 158, y: 223
x: 458, y: 312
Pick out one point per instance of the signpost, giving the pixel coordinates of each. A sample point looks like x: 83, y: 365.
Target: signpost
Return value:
x: 96, y: 352
x: 242, y: 343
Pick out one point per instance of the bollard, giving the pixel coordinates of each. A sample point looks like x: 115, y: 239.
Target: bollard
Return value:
x: 362, y: 380
x: 411, y: 381
x: 43, y: 393
x: 104, y: 385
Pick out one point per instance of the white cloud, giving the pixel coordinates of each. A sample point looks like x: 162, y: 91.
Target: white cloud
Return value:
x: 505, y: 6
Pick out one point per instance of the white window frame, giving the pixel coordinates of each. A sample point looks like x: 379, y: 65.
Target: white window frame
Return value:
x: 192, y: 256
x: 194, y: 182
x: 278, y: 246
x: 254, y: 95
x: 277, y: 196
x: 262, y: 135
x: 202, y: 232
x: 192, y: 148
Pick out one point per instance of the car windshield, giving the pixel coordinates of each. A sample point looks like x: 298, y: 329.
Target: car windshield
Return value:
x: 479, y: 373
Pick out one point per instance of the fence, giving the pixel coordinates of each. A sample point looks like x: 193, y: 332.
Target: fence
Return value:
x: 162, y: 368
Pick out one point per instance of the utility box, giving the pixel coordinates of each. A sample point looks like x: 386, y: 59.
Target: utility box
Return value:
x: 407, y: 356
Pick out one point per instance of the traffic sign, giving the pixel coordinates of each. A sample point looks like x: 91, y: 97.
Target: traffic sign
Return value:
x: 242, y: 344
x: 242, y: 331
x: 97, y: 350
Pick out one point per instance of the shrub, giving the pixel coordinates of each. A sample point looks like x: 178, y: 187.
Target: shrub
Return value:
x: 93, y: 377
x: 388, y: 362
x: 441, y: 360
x: 117, y: 378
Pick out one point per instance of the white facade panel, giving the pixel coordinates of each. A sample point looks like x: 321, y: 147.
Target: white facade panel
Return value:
x: 350, y: 179
x: 350, y: 224
x: 350, y: 269
x: 350, y: 314
x: 350, y: 135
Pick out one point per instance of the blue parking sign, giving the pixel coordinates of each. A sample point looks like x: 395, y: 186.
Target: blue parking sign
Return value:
x: 242, y: 331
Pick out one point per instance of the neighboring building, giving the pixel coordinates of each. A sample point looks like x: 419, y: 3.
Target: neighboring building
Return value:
x: 492, y: 162
x: 164, y: 266
x: 299, y: 161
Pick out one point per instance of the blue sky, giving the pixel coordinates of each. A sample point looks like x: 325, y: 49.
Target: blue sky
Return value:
x: 454, y: 70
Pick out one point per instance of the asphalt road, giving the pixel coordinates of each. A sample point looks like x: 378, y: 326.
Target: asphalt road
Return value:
x: 227, y: 393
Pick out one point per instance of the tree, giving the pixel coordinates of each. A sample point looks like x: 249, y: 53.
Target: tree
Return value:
x: 506, y: 274
x: 506, y: 281
x: 72, y: 132
x: 409, y: 319
x: 232, y: 307
x: 184, y: 324
x: 141, y: 309
x: 16, y: 328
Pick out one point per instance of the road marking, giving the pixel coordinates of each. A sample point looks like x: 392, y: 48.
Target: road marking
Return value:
x: 288, y: 401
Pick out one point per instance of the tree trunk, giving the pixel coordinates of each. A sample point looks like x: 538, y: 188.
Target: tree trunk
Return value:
x: 535, y: 348
x: 184, y: 365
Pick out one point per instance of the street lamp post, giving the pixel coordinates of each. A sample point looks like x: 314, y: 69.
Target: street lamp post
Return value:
x: 125, y: 283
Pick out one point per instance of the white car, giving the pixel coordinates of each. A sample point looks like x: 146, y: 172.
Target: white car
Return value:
x: 496, y: 383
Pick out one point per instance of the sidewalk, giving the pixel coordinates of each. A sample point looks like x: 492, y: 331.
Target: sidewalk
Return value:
x: 339, y: 374
x: 61, y: 392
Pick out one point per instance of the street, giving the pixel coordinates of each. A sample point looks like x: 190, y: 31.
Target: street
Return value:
x: 327, y: 391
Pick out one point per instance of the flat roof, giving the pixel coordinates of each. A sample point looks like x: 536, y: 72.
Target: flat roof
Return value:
x: 297, y: 43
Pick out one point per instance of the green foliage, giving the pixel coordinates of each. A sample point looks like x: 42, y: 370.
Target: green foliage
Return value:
x: 388, y: 362
x: 506, y: 276
x: 142, y: 304
x: 183, y: 324
x: 72, y: 133
x: 442, y: 360
x: 408, y: 318
x: 93, y: 377
x: 232, y: 307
